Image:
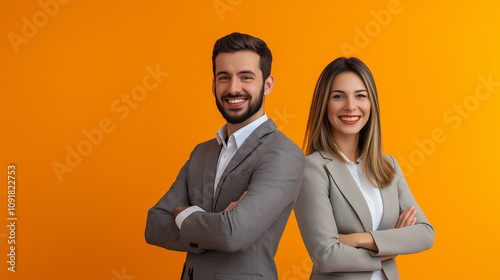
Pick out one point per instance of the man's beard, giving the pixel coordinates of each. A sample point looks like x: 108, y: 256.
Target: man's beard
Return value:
x: 253, y: 107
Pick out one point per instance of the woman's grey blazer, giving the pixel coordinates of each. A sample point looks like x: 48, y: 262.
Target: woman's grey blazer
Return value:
x: 330, y: 203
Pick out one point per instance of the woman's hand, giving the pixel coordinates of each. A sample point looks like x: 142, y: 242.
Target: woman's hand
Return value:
x: 407, y: 218
x: 388, y: 257
x: 357, y: 240
x: 365, y: 239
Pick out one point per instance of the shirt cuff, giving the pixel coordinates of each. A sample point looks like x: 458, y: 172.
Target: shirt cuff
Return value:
x: 184, y: 214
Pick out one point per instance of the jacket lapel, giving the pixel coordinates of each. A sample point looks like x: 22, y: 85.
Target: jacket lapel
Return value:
x: 209, y: 172
x: 391, y: 206
x: 243, y: 152
x: 346, y: 184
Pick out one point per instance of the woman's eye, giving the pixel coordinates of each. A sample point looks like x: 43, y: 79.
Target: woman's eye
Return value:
x: 337, y: 96
x: 361, y: 95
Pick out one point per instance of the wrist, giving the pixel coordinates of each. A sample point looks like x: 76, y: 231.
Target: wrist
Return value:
x: 367, y: 241
x: 362, y: 241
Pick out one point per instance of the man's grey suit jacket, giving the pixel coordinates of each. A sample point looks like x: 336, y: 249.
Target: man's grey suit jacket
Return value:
x: 240, y: 243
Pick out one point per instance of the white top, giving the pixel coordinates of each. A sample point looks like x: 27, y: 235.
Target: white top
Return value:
x: 372, y: 197
x: 227, y: 152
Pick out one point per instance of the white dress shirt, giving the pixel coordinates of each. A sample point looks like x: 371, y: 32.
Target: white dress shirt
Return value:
x: 372, y: 197
x: 227, y: 152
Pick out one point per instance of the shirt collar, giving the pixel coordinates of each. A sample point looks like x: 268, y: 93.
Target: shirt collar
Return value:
x: 350, y: 161
x: 241, y: 134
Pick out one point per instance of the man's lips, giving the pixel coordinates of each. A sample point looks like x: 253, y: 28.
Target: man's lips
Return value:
x: 236, y: 101
x: 349, y: 119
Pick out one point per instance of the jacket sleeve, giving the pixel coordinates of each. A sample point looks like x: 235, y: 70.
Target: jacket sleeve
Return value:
x: 314, y: 213
x: 273, y: 188
x: 161, y: 229
x: 406, y: 240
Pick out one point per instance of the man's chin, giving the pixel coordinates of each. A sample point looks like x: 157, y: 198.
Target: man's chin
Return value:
x: 236, y: 118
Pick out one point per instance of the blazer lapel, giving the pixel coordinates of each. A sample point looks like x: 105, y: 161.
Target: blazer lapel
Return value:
x: 243, y: 152
x: 209, y: 172
x: 346, y: 184
x: 391, y: 206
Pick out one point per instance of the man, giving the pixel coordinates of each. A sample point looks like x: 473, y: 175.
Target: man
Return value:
x: 230, y: 202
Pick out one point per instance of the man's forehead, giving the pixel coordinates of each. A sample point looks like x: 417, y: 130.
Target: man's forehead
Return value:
x: 236, y: 61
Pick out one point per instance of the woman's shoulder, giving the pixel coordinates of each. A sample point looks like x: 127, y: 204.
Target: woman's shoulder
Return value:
x: 319, y: 156
x: 392, y: 160
x: 314, y: 155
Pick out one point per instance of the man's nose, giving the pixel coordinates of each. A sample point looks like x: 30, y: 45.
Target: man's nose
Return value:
x: 235, y: 86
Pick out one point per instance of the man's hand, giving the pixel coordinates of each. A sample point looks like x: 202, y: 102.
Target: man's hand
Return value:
x: 233, y: 204
x: 179, y: 209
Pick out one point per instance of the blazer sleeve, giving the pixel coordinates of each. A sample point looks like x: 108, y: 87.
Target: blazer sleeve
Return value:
x: 318, y: 228
x: 406, y: 240
x: 273, y: 187
x: 161, y: 229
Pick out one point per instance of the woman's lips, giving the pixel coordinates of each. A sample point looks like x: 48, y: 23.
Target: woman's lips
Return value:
x: 349, y: 119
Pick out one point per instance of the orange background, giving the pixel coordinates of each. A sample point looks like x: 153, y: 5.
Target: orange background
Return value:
x: 64, y: 65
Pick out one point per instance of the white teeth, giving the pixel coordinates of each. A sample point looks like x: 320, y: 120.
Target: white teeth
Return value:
x: 234, y: 101
x: 349, y: 119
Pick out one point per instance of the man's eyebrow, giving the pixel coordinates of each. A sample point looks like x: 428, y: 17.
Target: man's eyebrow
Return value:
x: 222, y: 73
x: 239, y: 73
x: 246, y: 72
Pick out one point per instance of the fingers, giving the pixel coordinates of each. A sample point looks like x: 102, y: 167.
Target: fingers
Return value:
x: 245, y: 193
x: 178, y: 210
x: 388, y: 257
x: 230, y: 206
x: 234, y: 203
x: 412, y: 218
x: 407, y: 218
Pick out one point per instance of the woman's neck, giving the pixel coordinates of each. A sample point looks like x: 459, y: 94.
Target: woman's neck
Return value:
x: 348, y: 145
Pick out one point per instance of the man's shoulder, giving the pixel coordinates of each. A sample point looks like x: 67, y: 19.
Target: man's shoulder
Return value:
x: 204, y: 147
x: 207, y: 143
x: 278, y: 141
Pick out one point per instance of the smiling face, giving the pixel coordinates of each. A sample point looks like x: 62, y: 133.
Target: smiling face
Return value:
x: 348, y: 105
x: 239, y: 88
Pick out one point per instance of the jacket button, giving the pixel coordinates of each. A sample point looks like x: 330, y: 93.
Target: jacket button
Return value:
x: 194, y: 245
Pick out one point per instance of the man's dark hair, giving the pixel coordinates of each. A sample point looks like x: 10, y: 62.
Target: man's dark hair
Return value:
x: 238, y: 42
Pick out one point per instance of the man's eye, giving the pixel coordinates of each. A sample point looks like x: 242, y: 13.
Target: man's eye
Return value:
x: 222, y: 78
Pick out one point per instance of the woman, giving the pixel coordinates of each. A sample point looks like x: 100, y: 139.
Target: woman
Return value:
x: 354, y: 210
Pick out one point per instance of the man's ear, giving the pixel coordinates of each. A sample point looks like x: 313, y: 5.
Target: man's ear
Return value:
x: 213, y: 86
x: 268, y: 85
